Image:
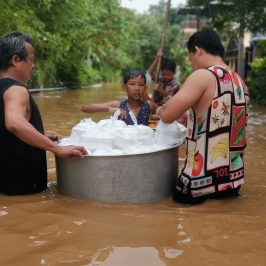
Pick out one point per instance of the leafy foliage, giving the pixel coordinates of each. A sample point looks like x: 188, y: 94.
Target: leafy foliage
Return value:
x: 233, y: 18
x: 78, y: 42
x: 257, y: 80
x: 226, y: 13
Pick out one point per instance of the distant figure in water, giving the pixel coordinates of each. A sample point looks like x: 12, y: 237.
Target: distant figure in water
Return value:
x: 134, y: 109
x: 23, y: 168
x: 166, y: 87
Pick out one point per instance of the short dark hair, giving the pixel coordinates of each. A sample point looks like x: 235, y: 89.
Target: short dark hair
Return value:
x: 13, y: 43
x: 208, y: 39
x: 168, y: 64
x: 134, y: 74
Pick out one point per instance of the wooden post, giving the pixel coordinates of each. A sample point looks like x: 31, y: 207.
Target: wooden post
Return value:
x: 240, y: 59
x: 163, y: 38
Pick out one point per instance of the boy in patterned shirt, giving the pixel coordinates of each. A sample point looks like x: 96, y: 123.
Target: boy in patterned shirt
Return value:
x: 166, y: 86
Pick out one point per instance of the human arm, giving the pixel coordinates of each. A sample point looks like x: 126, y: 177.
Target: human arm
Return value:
x: 17, y: 115
x: 109, y: 107
x: 156, y: 87
x: 197, y: 92
x: 154, y: 63
x: 153, y: 107
x: 168, y: 90
x: 173, y: 90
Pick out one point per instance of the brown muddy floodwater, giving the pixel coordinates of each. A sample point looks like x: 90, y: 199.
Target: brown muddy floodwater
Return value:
x: 52, y: 229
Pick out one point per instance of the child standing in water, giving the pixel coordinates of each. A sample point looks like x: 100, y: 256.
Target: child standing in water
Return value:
x: 167, y: 85
x: 132, y: 109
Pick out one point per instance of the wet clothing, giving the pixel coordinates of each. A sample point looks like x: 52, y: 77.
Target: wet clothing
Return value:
x: 171, y: 87
x: 215, y: 142
x: 23, y: 167
x: 143, y: 116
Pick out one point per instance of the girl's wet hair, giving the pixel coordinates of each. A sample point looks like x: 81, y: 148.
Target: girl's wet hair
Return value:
x: 134, y: 74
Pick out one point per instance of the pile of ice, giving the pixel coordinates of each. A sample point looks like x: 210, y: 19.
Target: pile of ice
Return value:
x: 115, y: 137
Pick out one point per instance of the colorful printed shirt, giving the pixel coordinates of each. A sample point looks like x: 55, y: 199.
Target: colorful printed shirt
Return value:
x: 171, y: 87
x: 143, y: 116
x: 215, y: 142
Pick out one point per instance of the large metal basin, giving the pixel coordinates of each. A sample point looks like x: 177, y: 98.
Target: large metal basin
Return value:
x: 147, y: 177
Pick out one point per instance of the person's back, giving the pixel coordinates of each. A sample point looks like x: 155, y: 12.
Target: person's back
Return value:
x: 216, y: 127
x: 214, y: 144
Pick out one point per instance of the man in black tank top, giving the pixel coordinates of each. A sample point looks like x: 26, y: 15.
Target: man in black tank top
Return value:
x: 23, y: 168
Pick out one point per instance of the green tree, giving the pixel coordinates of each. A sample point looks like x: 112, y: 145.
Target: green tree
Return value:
x: 175, y: 45
x: 74, y: 40
x: 257, y: 80
x: 235, y: 16
x: 82, y: 41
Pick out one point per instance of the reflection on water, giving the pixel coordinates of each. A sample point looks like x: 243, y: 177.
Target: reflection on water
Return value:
x: 52, y: 229
x: 121, y: 256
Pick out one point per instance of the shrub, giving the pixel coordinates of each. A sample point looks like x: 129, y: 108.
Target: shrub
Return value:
x: 257, y: 80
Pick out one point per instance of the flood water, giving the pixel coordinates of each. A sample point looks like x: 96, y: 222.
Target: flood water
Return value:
x: 53, y: 229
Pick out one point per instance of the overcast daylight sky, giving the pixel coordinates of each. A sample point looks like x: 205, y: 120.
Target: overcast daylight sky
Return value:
x: 143, y: 5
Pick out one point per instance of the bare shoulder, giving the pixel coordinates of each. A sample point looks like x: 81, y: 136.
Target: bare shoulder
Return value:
x: 201, y: 75
x: 16, y: 92
x: 200, y: 79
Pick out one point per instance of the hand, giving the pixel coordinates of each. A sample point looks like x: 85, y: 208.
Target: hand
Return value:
x: 166, y: 98
x: 53, y: 136
x: 71, y: 152
x: 155, y: 117
x: 171, y: 93
x: 123, y: 114
x: 112, y: 110
x: 156, y: 87
x: 159, y: 53
x: 158, y: 111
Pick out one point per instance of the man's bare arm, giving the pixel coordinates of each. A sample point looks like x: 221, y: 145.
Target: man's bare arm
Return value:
x: 189, y: 95
x: 16, y: 119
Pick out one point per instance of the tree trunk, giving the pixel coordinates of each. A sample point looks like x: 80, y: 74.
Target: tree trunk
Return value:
x: 241, y: 61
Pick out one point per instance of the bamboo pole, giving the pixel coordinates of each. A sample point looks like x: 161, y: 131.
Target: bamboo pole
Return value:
x: 163, y: 38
